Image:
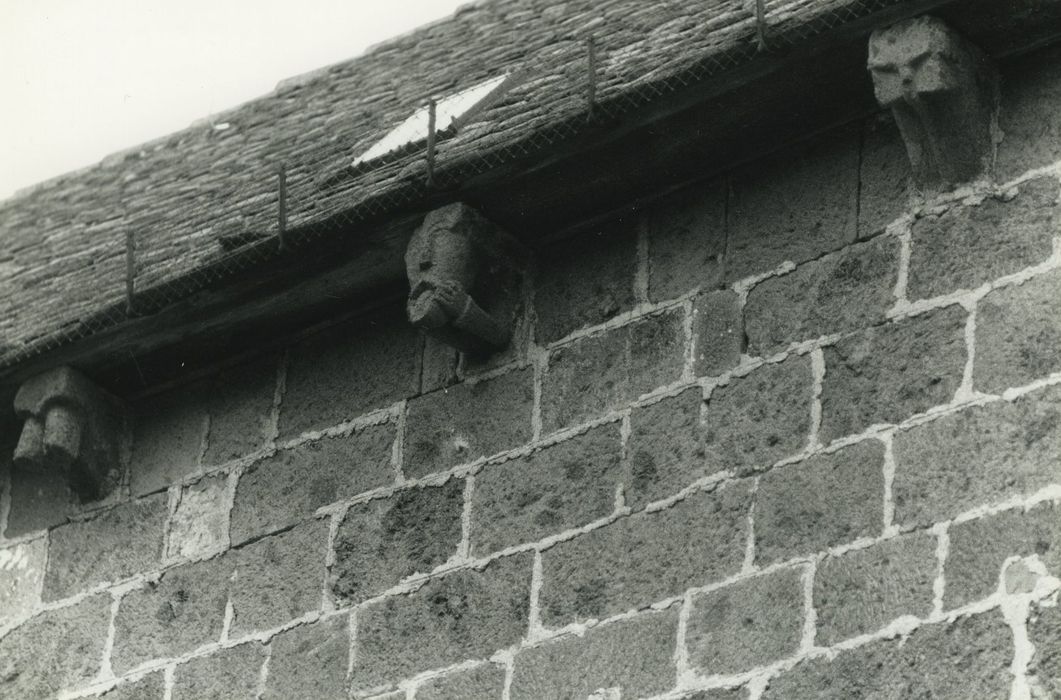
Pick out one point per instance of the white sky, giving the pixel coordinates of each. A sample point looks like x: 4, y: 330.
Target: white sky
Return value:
x: 85, y: 78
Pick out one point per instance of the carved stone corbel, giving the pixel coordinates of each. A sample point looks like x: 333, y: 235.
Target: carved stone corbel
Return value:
x: 943, y: 92
x: 72, y: 427
x: 465, y: 277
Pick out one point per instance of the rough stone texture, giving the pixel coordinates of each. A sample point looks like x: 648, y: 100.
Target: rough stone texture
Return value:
x: 634, y: 655
x: 646, y: 557
x: 888, y: 373
x: 150, y: 687
x: 760, y: 418
x: 840, y: 292
x: 182, y: 611
x: 563, y: 486
x: 384, y: 541
x: 747, y: 624
x: 719, y: 694
x: 241, y: 411
x: 996, y: 238
x: 38, y: 500
x: 885, y: 185
x: 289, y: 486
x: 821, y: 502
x: 968, y: 658
x: 569, y: 295
x: 864, y: 590
x: 439, y: 365
x: 114, y: 545
x: 21, y: 575
x: 979, y: 549
x: 796, y: 206
x: 310, y: 661
x: 354, y: 368
x: 55, y: 650
x: 602, y: 372
x: 227, y: 674
x: 468, y: 421
x: 278, y: 578
x: 1018, y: 334
x: 981, y: 455
x: 686, y: 240
x: 1044, y: 671
x: 1029, y: 103
x: 665, y: 450
x: 486, y: 682
x: 463, y: 615
x: 718, y: 332
x: 168, y: 434
x: 199, y: 525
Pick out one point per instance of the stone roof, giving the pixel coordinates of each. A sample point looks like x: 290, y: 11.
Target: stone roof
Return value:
x: 63, y: 267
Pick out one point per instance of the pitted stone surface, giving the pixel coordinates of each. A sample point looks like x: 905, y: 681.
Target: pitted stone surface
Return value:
x: 486, y: 682
x: 114, y: 545
x: 1018, y: 334
x: 292, y: 565
x: 760, y: 418
x: 310, y: 661
x: 839, y: 292
x: 820, y: 502
x: 381, y: 542
x: 984, y: 454
x: 227, y: 674
x: 150, y: 687
x: 55, y: 650
x: 1032, y: 137
x: 180, y: 612
x: 888, y: 373
x: 719, y: 694
x: 464, y: 422
x: 646, y: 557
x: 686, y: 241
x: 558, y: 488
x: 168, y: 435
x: 39, y: 500
x: 861, y: 591
x: 885, y: 178
x: 718, y: 332
x: 569, y: 295
x: 467, y: 614
x: 665, y: 450
x: 967, y: 658
x: 594, y: 375
x: 635, y: 656
x: 289, y: 486
x: 800, y: 204
x: 344, y: 372
x: 746, y: 624
x: 979, y: 549
x: 241, y: 411
x: 1044, y: 631
x: 998, y: 237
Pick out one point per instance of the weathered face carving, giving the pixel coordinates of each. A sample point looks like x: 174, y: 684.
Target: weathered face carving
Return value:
x: 914, y: 59
x: 70, y: 427
x: 943, y: 94
x: 448, y: 257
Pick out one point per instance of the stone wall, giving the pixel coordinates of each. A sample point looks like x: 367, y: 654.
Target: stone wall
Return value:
x: 786, y: 434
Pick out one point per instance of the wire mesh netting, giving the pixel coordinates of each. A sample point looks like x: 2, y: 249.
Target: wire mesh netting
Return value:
x: 271, y: 188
